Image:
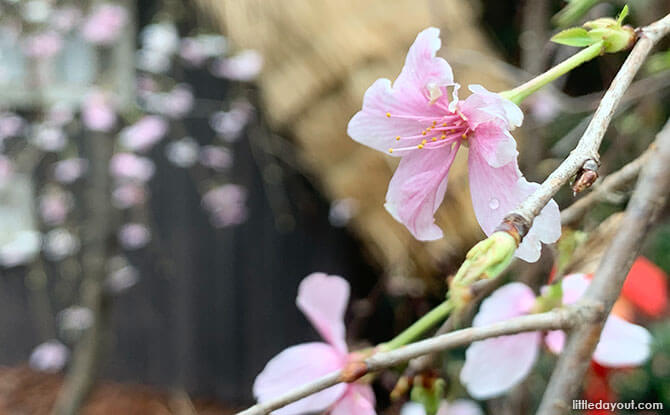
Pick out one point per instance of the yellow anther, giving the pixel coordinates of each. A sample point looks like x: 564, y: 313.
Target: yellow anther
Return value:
x: 397, y: 138
x: 423, y: 141
x: 388, y: 115
x: 464, y: 136
x: 423, y: 133
x: 444, y: 125
x: 434, y: 123
x: 434, y: 138
x: 443, y: 137
x: 390, y: 150
x: 420, y: 146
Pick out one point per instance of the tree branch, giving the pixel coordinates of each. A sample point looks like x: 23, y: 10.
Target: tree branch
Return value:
x: 557, y: 319
x: 610, y: 184
x: 648, y: 199
x: 587, y: 148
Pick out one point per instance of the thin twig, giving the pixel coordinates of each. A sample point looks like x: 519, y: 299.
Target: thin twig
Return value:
x: 602, y: 191
x: 563, y: 318
x: 648, y: 199
x: 587, y: 148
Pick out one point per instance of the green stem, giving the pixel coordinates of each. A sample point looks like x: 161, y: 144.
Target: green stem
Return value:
x: 419, y: 327
x: 518, y: 94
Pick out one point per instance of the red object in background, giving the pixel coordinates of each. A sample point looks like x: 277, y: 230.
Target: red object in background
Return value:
x: 646, y: 287
x: 597, y: 388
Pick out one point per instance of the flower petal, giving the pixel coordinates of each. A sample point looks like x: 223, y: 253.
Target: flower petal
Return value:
x: 622, y: 344
x: 494, y: 366
x: 555, y: 340
x: 511, y: 300
x: 410, y: 95
x: 460, y: 407
x: 417, y: 190
x: 494, y: 143
x: 359, y: 399
x: 646, y: 286
x: 323, y: 298
x: 294, y: 367
x: 574, y: 286
x: 484, y: 106
x: 497, y: 191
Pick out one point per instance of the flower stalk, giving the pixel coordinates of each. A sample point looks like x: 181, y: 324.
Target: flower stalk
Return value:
x: 411, y: 333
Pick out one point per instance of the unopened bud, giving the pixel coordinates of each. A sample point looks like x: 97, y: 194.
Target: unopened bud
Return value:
x: 616, y: 37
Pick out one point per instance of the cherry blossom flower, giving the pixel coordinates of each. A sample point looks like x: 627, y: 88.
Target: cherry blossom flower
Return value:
x: 144, y: 134
x: 323, y: 299
x: 97, y: 112
x: 129, y: 167
x: 494, y: 366
x: 413, y: 118
x: 134, y: 236
x: 244, y: 66
x: 226, y: 205
x: 69, y: 170
x: 43, y: 45
x: 49, y: 356
x: 54, y: 205
x: 49, y: 138
x: 184, y: 152
x: 214, y: 157
x: 104, y: 25
x: 128, y: 195
x: 60, y: 244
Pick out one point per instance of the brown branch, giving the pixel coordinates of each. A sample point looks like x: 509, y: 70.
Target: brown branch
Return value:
x: 563, y: 318
x: 648, y: 199
x: 602, y: 191
x: 587, y: 148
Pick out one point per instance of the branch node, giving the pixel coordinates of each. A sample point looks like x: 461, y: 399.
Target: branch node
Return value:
x: 586, y: 176
x: 515, y: 225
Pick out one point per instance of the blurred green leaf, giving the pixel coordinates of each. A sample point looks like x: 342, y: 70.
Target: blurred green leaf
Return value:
x: 575, y: 36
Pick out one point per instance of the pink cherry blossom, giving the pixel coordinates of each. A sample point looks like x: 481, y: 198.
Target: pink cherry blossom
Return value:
x: 245, y: 66
x: 414, y: 118
x: 144, y: 134
x: 129, y: 167
x: 50, y: 356
x: 494, y: 366
x: 323, y: 299
x: 214, y: 157
x: 134, y: 236
x: 104, y: 25
x: 54, y: 206
x: 226, y: 204
x: 128, y: 195
x: 98, y: 112
x: 43, y: 45
x: 69, y: 170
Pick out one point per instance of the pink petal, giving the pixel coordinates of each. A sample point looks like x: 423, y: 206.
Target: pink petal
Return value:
x: 417, y: 190
x: 622, y: 344
x: 408, y: 96
x: 511, y: 300
x: 294, y: 367
x: 494, y: 366
x: 574, y: 286
x: 494, y: 144
x: 460, y: 407
x: 484, y: 106
x: 497, y: 191
x: 323, y: 298
x: 359, y: 399
x: 555, y: 340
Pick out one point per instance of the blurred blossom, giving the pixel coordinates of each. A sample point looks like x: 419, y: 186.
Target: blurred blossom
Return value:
x: 42, y: 45
x: 245, y: 66
x: 128, y: 166
x: 35, y: 11
x: 65, y: 18
x: 226, y: 204
x: 161, y: 37
x: 54, y: 205
x: 146, y: 84
x: 59, y: 115
x: 341, y: 211
x: 134, y: 236
x: 195, y: 50
x: 75, y: 318
x: 217, y: 158
x: 21, y: 248
x: 59, y: 244
x: 50, y: 356
x: 97, y: 112
x: 128, y: 195
x: 122, y: 277
x: 178, y: 102
x: 104, y: 25
x: 68, y: 170
x: 544, y: 106
x: 183, y: 153
x: 10, y: 125
x: 152, y: 61
x: 229, y: 124
x: 144, y: 134
x: 49, y: 138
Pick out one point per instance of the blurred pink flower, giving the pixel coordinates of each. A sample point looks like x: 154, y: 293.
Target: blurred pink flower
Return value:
x: 105, y: 23
x: 43, y: 45
x: 217, y: 158
x: 130, y: 167
x: 229, y: 124
x: 144, y: 134
x: 65, y: 18
x: 494, y: 366
x: 414, y: 119
x: 226, y: 205
x: 59, y: 244
x: 69, y: 170
x: 323, y: 299
x: 183, y: 153
x: 97, y: 112
x: 134, y: 236
x: 11, y: 125
x: 54, y: 205
x: 244, y: 66
x: 50, y: 356
x: 178, y: 102
x: 49, y: 138
x: 128, y: 195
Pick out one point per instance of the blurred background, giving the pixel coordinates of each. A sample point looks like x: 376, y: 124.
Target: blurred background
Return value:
x: 170, y: 171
